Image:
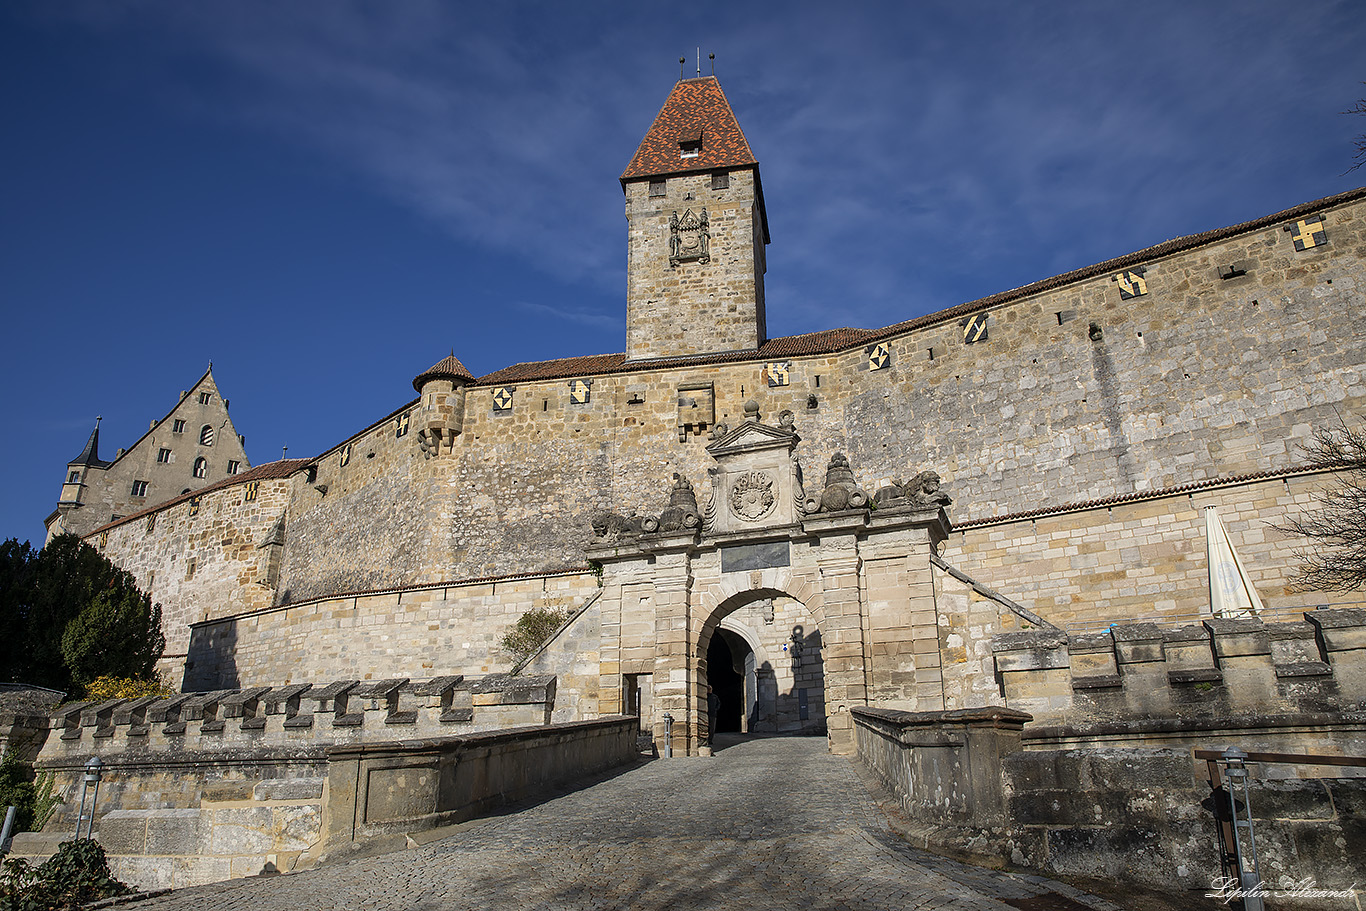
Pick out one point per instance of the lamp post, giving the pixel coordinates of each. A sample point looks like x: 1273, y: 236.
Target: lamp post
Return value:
x: 93, y: 769
x: 668, y: 735
x: 1244, y: 842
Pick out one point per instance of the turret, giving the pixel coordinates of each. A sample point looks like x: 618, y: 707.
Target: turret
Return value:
x: 441, y: 412
x: 80, y: 472
x: 696, y: 231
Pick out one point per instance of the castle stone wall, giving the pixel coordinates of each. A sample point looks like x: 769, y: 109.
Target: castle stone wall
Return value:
x: 1201, y: 377
x: 453, y: 629
x: 201, y: 557
x: 1145, y: 560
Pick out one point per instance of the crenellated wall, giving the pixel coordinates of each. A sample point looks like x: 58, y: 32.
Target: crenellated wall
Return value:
x: 299, y: 715
x: 1303, y: 683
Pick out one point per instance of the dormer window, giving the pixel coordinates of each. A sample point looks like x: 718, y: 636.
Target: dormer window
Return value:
x: 690, y: 144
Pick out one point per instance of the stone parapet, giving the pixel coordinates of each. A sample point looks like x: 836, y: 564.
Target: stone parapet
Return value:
x: 942, y: 765
x: 1218, y: 668
x: 345, y: 711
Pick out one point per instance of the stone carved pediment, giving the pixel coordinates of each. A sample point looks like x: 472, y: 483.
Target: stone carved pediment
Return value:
x: 752, y: 436
x: 756, y: 482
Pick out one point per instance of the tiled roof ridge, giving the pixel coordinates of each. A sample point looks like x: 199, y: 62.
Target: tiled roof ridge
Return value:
x: 1139, y: 496
x: 420, y: 587
x: 267, y: 471
x: 814, y: 343
x: 693, y: 105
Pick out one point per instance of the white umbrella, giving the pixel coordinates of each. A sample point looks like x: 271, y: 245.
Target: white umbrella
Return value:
x: 1231, y: 595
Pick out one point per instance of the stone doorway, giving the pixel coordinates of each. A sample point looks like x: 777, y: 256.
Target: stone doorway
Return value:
x: 765, y: 659
x: 730, y: 674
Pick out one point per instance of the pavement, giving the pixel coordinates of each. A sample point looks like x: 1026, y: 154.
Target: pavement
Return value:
x: 772, y: 823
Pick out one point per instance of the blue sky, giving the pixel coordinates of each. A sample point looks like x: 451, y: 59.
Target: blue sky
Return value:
x: 324, y: 197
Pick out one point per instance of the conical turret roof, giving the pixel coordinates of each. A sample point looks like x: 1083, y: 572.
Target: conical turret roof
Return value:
x: 448, y: 368
x: 90, y: 455
x: 696, y: 111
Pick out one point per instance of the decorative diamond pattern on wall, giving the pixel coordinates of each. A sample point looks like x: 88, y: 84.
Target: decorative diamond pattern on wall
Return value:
x: 1308, y: 233
x: 975, y: 328
x: 778, y: 373
x: 1131, y: 283
x: 879, y: 355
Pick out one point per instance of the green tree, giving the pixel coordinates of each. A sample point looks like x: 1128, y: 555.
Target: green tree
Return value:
x: 119, y: 633
x: 1337, y: 528
x: 42, y: 593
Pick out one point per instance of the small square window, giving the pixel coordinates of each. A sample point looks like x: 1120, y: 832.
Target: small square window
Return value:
x: 178, y: 427
x: 401, y: 425
x: 205, y: 398
x: 720, y: 180
x: 163, y: 455
x: 234, y: 466
x: 73, y: 478
x: 249, y: 495
x: 656, y: 188
x: 139, y: 488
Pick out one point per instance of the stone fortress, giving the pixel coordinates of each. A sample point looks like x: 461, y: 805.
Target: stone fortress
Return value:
x: 997, y: 505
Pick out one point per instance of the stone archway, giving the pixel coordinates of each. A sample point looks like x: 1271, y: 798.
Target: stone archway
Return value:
x: 774, y: 680
x: 864, y: 576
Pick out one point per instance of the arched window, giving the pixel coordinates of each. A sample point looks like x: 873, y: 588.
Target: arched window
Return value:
x: 201, y: 467
x: 206, y: 435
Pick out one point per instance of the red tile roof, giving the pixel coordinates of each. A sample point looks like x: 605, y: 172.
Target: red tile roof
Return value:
x: 695, y: 107
x: 447, y: 368
x: 268, y: 472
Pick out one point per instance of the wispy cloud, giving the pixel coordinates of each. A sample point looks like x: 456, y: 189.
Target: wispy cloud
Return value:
x: 614, y: 324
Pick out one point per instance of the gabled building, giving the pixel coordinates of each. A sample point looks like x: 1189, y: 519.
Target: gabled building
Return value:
x: 192, y: 446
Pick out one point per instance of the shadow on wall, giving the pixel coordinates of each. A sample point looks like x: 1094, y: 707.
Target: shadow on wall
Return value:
x: 211, y: 663
x: 756, y: 697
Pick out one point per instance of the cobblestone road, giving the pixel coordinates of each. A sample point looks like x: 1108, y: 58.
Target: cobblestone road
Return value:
x: 765, y: 824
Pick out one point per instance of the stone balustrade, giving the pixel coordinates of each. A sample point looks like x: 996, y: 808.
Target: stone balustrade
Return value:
x: 1217, y: 669
x: 345, y: 711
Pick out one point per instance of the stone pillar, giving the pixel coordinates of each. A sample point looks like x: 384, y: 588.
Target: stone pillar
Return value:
x: 843, y: 626
x: 904, y: 665
x: 677, y: 676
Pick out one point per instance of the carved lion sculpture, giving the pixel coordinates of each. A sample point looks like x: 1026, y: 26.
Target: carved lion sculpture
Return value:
x: 924, y: 489
x: 611, y: 526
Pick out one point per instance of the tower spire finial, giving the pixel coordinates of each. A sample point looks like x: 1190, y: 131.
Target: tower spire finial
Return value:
x: 712, y: 58
x: 699, y: 62
x: 681, y: 61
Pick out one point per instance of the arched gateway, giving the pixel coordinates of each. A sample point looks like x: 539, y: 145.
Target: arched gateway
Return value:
x: 834, y: 596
